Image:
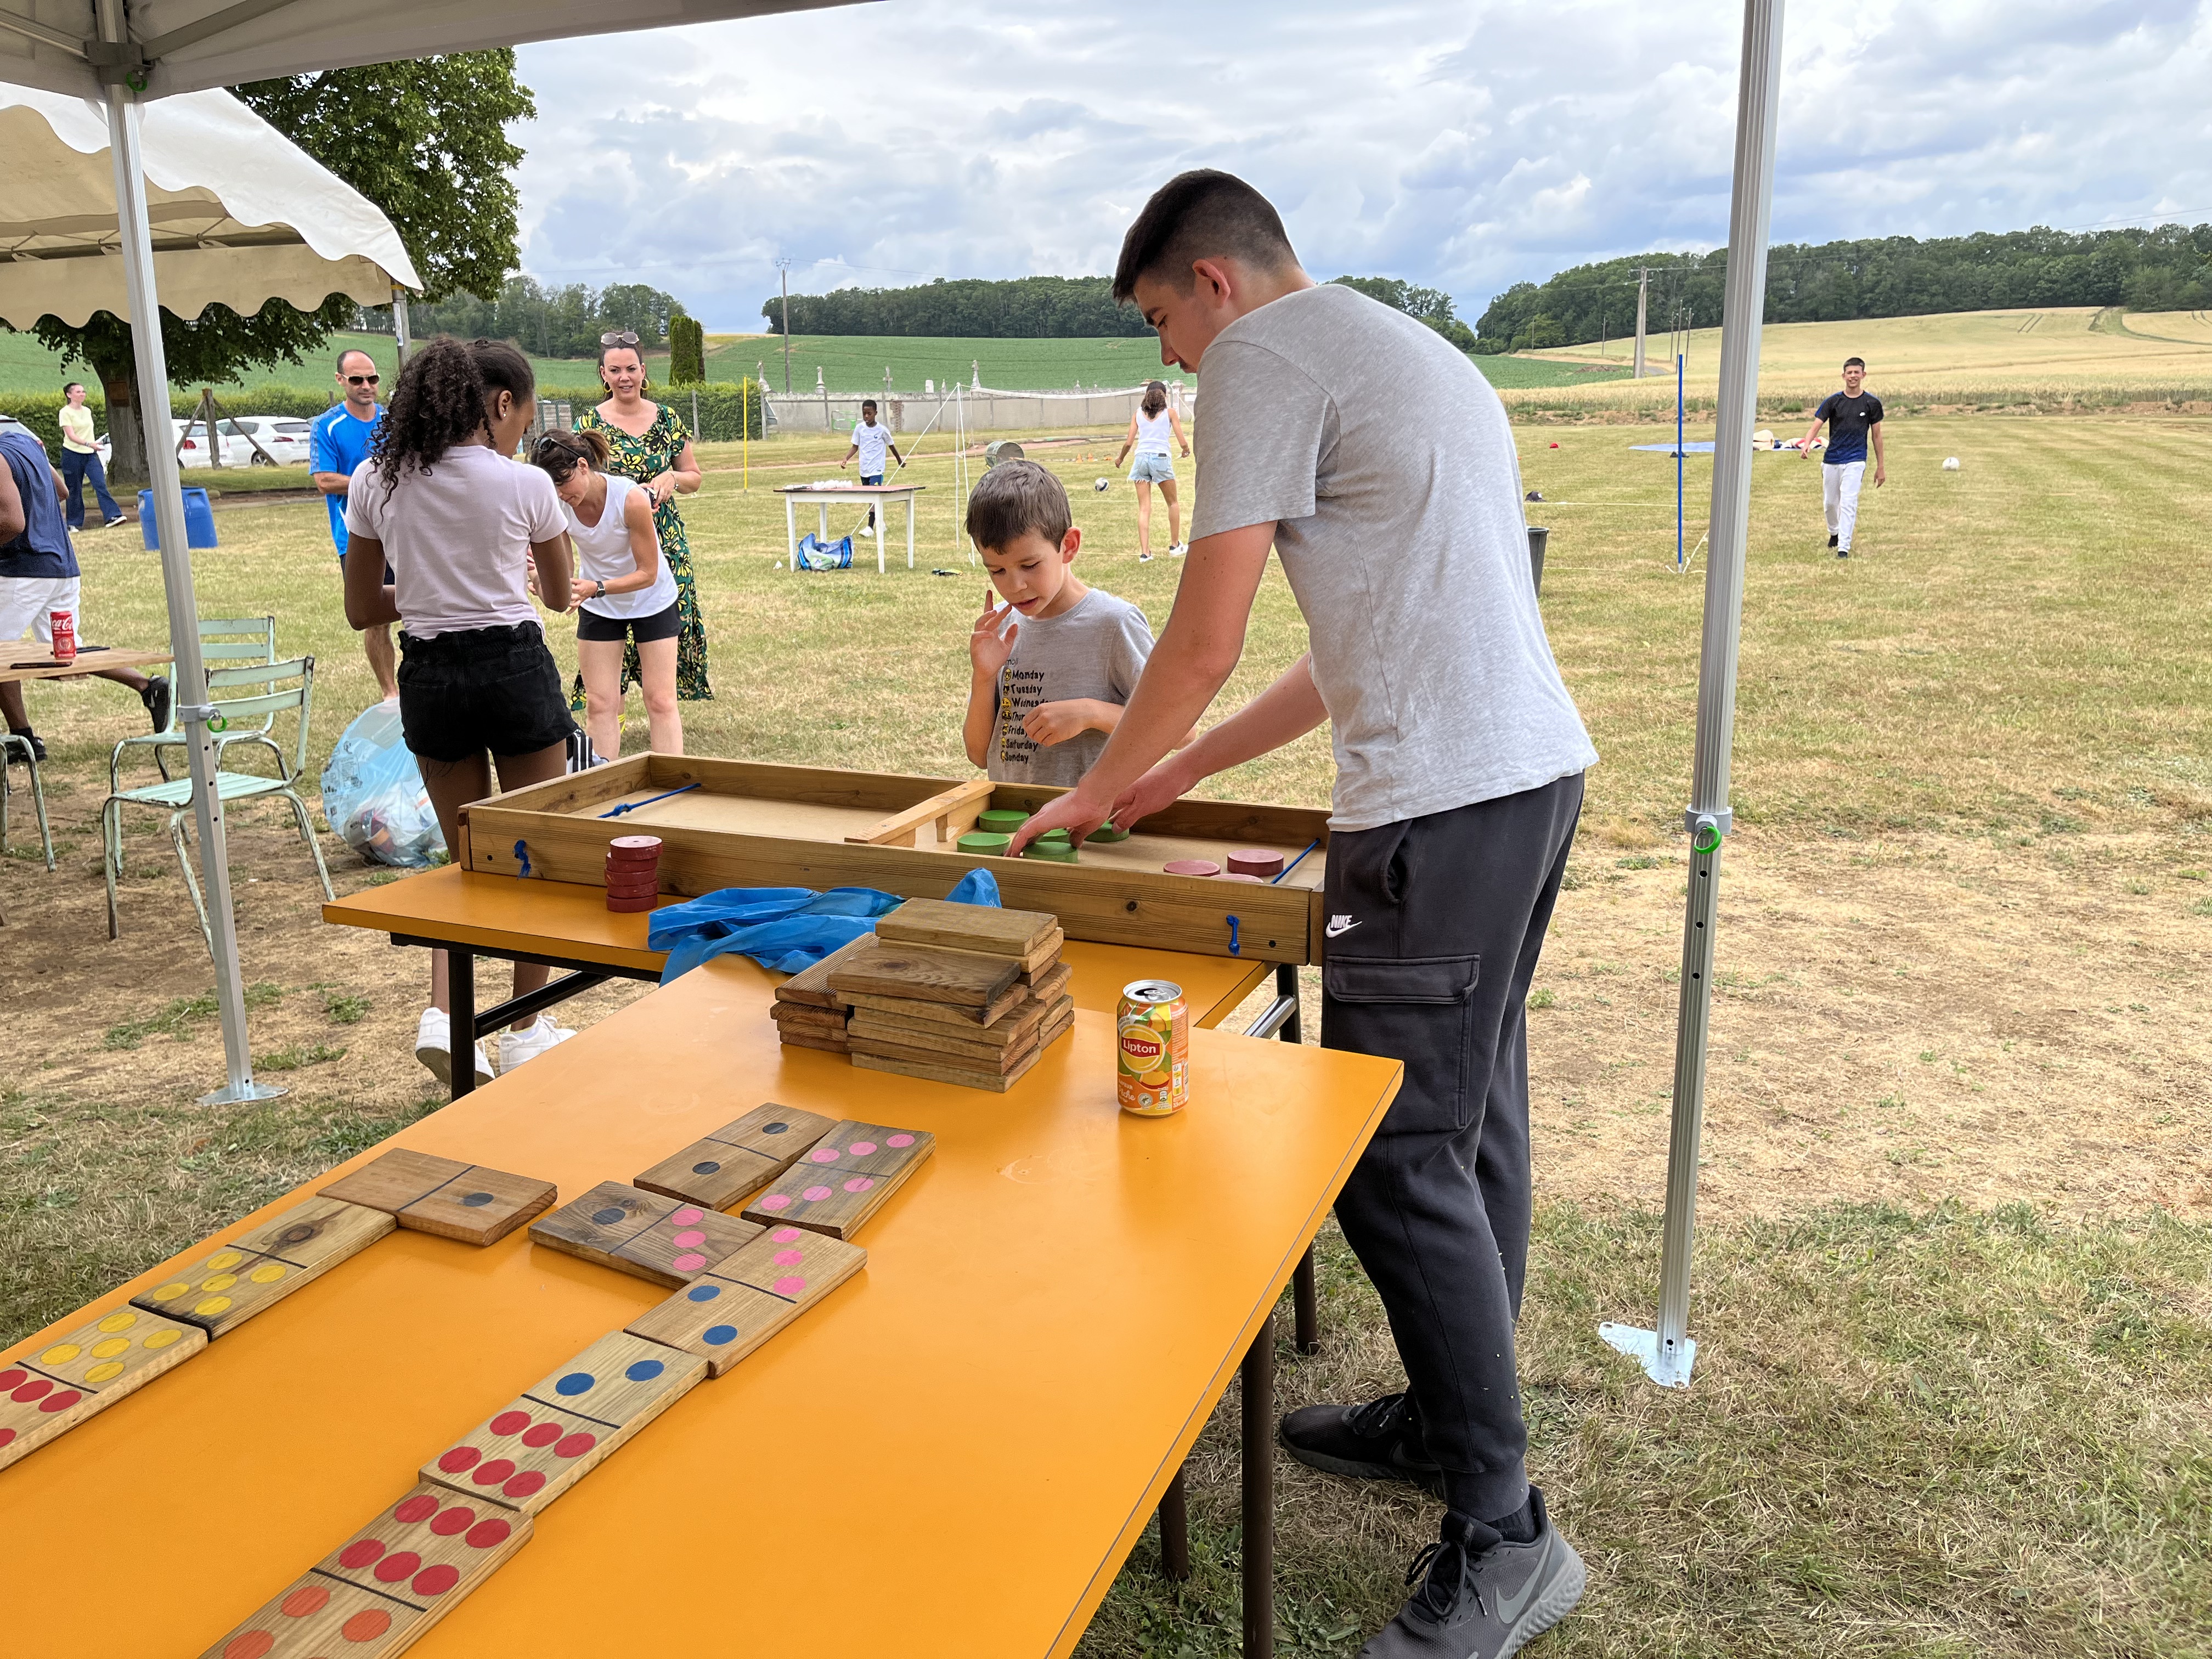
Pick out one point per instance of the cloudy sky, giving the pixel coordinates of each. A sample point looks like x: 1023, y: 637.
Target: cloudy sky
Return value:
x: 1464, y: 146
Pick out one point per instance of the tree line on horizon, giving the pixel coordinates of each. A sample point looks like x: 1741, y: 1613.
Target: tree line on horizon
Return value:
x: 2167, y: 268
x: 545, y: 319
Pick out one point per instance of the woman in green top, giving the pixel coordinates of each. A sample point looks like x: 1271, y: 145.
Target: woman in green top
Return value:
x: 652, y: 449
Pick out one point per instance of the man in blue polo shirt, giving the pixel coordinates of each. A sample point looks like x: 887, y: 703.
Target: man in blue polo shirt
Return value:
x: 1852, y: 416
x: 39, y: 576
x: 338, y: 442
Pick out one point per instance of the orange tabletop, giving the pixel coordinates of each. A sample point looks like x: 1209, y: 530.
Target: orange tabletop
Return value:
x: 495, y: 914
x: 950, y: 1455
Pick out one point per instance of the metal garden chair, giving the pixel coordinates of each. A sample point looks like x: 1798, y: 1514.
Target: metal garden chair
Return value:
x: 9, y: 746
x: 223, y: 640
x: 176, y: 795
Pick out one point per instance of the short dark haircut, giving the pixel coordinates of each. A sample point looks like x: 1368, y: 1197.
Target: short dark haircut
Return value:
x: 867, y: 403
x: 1854, y: 363
x: 1194, y: 215
x: 353, y: 351
x: 1016, y: 499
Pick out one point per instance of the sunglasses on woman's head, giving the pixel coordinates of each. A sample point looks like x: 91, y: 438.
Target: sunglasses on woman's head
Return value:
x: 618, y: 336
x: 363, y: 380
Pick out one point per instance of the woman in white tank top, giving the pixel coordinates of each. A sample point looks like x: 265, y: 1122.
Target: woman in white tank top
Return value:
x: 624, y: 591
x: 1153, y: 429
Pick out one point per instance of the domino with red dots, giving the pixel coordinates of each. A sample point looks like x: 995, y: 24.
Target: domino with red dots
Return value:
x: 739, y: 1304
x: 551, y: 1436
x: 381, y: 1591
x: 45, y: 1392
x: 661, y: 1239
x: 844, y: 1179
x: 228, y: 1287
x: 723, y: 1169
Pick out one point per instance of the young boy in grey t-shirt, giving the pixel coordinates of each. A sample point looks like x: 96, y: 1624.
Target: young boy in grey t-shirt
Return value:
x: 1049, y: 686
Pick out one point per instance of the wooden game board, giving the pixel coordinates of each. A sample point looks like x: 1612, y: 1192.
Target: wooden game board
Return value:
x: 740, y: 825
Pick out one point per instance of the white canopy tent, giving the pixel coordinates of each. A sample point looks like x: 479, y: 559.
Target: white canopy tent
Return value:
x: 239, y: 214
x: 124, y: 51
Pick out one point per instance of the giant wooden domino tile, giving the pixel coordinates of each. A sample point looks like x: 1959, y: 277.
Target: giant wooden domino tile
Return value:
x: 233, y: 1283
x: 728, y: 1166
x: 539, y: 1444
x: 739, y: 1304
x: 844, y: 1179
x: 379, y: 1592
x: 657, y: 1238
x: 47, y: 1393
x: 438, y: 1195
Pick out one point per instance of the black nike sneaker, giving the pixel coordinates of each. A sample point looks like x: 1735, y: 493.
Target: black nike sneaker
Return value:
x: 32, y: 741
x: 1832, y: 538
x: 1378, y: 1440
x: 156, y: 697
x: 1482, y: 1597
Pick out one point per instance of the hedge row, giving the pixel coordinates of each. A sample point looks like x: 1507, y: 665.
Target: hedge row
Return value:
x: 723, y: 408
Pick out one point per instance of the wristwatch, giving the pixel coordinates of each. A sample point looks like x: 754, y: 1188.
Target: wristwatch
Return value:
x: 602, y: 594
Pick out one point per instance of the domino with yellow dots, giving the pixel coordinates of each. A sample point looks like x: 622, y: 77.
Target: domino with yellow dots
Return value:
x: 230, y: 1284
x: 47, y: 1391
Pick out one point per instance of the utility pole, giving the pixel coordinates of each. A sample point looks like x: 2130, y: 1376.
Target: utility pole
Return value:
x: 1642, y: 285
x: 784, y: 266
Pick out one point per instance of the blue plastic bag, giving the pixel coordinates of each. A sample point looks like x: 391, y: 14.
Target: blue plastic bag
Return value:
x: 374, y: 796
x: 783, y: 928
x: 815, y: 554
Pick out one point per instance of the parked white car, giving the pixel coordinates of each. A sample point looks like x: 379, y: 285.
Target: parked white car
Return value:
x: 202, y: 450
x: 284, y: 436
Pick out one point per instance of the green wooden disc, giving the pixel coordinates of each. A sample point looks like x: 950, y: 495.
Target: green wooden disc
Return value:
x: 1108, y: 831
x: 1042, y: 848
x: 1001, y: 820
x: 1054, y: 838
x: 983, y: 842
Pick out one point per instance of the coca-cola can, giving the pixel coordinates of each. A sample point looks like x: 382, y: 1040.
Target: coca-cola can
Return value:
x: 63, y: 624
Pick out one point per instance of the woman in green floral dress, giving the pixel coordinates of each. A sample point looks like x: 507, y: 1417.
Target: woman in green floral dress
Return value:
x: 652, y: 449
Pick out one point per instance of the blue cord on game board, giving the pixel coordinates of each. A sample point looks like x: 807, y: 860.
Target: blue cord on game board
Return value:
x: 1294, y: 863
x: 522, y: 852
x: 1233, y: 951
x: 649, y: 801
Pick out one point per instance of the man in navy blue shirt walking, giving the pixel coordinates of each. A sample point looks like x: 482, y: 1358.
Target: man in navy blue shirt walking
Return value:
x: 1853, y: 417
x: 337, y: 443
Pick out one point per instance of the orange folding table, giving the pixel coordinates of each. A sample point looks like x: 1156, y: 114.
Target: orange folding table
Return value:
x: 952, y: 1455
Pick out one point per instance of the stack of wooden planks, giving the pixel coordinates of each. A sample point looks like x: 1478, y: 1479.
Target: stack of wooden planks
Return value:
x: 961, y: 993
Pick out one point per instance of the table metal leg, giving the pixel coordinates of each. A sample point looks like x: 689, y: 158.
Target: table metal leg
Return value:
x: 1259, y: 1378
x: 791, y: 531
x: 1308, y: 1304
x: 1174, y: 1531
x: 879, y: 520
x: 1286, y: 985
x: 910, y: 532
x: 461, y: 996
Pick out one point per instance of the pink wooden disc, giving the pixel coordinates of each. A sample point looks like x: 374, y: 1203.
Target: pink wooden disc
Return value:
x: 634, y: 844
x: 1255, y: 861
x: 1193, y: 867
x: 1236, y: 875
x: 630, y: 904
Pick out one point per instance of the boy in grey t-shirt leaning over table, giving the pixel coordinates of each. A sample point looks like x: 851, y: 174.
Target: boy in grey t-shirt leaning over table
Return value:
x: 1459, y: 779
x: 1055, y: 663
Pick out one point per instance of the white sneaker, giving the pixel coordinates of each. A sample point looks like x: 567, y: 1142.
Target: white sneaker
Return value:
x: 1144, y: 558
x: 515, y: 1047
x: 1178, y: 549
x: 434, y: 1047
x: 867, y: 530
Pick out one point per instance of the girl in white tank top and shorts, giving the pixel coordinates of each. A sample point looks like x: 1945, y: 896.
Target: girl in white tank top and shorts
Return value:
x: 624, y: 591
x: 1155, y: 431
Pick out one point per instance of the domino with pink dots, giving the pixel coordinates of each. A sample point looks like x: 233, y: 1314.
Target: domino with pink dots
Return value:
x: 845, y: 1179
x: 624, y: 1227
x: 739, y: 1304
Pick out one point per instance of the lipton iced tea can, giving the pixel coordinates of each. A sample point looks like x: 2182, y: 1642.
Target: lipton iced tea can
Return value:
x: 1153, y: 1068
x: 62, y: 624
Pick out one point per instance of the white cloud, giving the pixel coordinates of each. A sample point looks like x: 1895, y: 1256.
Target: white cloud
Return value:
x: 1464, y: 148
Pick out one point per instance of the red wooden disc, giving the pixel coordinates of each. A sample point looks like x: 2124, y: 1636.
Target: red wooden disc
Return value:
x: 630, y: 904
x: 644, y: 889
x: 1255, y: 861
x: 634, y: 844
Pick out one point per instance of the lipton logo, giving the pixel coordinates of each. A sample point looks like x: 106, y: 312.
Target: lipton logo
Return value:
x: 1140, y: 1045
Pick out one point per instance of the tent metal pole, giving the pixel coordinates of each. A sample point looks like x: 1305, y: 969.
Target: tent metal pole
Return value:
x: 1668, y: 1352
x: 193, y: 711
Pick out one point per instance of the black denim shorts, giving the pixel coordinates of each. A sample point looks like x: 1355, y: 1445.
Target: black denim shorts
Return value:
x: 663, y: 624
x: 494, y: 689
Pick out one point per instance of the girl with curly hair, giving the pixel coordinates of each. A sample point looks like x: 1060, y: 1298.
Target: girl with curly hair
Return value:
x: 441, y: 500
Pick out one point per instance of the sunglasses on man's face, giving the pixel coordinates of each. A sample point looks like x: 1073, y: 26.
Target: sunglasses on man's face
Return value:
x: 363, y: 380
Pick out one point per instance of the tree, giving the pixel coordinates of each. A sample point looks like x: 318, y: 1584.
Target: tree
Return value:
x: 425, y: 140
x: 687, y: 351
x: 1430, y: 305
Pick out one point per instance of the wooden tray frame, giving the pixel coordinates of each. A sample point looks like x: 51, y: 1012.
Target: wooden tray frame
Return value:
x: 1106, y: 906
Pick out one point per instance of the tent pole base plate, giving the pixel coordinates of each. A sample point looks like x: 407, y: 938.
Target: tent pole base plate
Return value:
x: 1670, y: 1370
x: 228, y: 1096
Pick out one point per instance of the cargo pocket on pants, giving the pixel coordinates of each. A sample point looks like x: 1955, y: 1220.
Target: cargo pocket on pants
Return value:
x: 1420, y: 1010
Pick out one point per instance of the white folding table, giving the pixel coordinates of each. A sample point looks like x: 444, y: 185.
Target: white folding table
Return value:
x: 881, y: 495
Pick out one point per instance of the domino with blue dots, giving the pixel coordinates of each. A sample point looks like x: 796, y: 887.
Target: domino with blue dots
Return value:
x: 740, y: 1301
x: 553, y: 1433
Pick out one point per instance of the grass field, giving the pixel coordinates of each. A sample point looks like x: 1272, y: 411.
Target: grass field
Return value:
x: 1961, y: 359
x: 1952, y: 1293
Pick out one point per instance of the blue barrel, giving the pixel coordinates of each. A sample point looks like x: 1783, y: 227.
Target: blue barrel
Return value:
x: 199, y: 520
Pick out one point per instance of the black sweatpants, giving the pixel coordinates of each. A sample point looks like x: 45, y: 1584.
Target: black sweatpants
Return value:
x: 1435, y: 924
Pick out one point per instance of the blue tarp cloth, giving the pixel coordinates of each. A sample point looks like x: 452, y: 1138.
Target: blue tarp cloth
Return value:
x: 783, y: 928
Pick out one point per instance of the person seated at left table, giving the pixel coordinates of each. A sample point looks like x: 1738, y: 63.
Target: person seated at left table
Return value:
x: 39, y: 575
x: 443, y: 507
